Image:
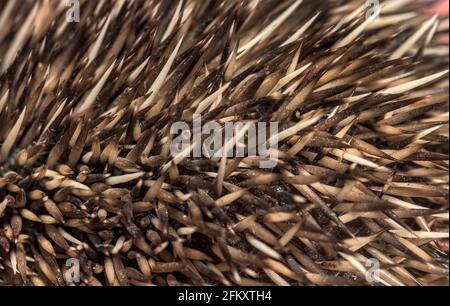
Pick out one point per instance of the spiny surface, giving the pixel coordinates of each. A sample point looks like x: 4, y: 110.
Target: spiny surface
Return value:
x: 86, y: 171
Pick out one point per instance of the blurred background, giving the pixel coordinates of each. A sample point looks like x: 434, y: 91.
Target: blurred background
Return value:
x: 443, y: 9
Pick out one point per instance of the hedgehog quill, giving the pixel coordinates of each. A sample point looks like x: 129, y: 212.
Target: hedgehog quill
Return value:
x: 358, y: 192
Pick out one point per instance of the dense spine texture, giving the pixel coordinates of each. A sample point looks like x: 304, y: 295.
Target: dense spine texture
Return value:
x: 86, y: 173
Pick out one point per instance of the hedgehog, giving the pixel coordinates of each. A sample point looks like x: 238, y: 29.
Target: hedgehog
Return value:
x: 92, y: 194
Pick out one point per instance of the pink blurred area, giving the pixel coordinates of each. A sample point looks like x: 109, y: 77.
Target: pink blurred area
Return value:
x: 442, y: 7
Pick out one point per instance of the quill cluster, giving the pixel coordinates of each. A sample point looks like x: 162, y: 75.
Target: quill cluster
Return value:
x: 86, y: 171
